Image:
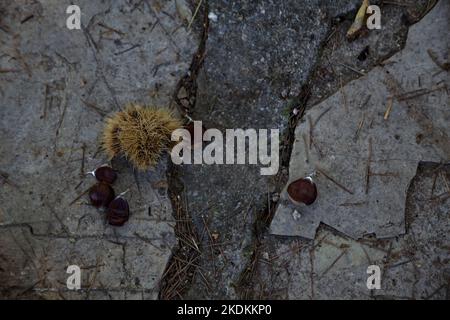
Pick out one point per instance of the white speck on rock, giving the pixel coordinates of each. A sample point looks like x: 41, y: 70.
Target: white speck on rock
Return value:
x: 296, y: 215
x: 212, y: 16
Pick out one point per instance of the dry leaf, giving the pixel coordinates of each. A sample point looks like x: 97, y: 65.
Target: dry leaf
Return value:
x: 359, y: 22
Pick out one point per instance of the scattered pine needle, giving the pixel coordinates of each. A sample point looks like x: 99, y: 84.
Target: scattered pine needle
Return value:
x: 389, y: 107
x: 195, y: 14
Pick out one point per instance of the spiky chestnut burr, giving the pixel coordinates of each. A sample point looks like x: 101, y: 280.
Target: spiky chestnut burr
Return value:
x: 141, y: 134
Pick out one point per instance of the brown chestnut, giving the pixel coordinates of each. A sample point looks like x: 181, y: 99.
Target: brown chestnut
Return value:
x: 302, y: 191
x: 101, y: 194
x: 105, y: 174
x: 118, y: 212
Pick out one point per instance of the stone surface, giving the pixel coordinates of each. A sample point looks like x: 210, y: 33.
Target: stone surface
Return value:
x: 58, y: 86
x: 351, y: 131
x: 258, y: 56
x: 333, y: 266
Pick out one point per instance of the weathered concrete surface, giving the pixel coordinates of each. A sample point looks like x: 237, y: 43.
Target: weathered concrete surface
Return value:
x: 333, y: 266
x: 351, y: 133
x: 343, y: 61
x: 56, y: 86
x: 258, y: 56
x: 418, y: 265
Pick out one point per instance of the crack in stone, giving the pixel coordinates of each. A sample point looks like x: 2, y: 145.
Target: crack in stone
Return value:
x: 184, y: 253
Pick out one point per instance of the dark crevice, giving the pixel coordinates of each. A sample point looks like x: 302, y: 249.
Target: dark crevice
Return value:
x: 180, y: 270
x: 244, y: 286
x: 305, y: 100
x: 185, y: 99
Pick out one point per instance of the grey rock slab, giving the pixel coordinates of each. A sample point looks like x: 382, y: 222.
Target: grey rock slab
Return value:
x: 334, y: 266
x: 60, y: 86
x: 340, y: 267
x: 413, y: 266
x: 354, y: 120
x: 255, y: 51
x: 417, y: 265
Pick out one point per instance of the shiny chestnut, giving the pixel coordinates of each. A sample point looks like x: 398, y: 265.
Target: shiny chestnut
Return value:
x: 302, y: 191
x: 118, y: 212
x: 105, y: 174
x: 101, y: 194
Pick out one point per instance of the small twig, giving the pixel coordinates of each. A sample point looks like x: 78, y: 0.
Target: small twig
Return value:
x: 389, y: 107
x: 369, y: 159
x: 384, y: 174
x: 311, y: 272
x: 365, y: 101
x: 23, y: 62
x: 434, y: 184
x: 440, y: 197
x: 391, y: 266
x: 311, y: 129
x: 101, y: 24
x: 351, y: 204
x: 435, y: 292
x: 83, y: 152
x: 397, y: 3
x: 344, y: 97
x: 61, y: 119
x: 195, y: 14
x: 352, y: 69
x: 79, y: 196
x: 126, y: 50
x: 444, y: 178
x: 306, y: 147
x: 418, y: 93
x: 44, y: 115
x: 9, y: 70
x: 211, y: 240
x: 5, y: 28
x: 311, y: 137
x: 360, y: 125
x: 94, y: 107
x: 321, y: 115
x: 29, y: 17
x: 152, y: 11
x: 333, y: 263
x: 333, y: 180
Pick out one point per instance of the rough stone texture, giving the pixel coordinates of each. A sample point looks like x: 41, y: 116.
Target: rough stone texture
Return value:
x: 340, y: 134
x: 259, y: 54
x: 342, y: 61
x: 417, y: 265
x: 56, y: 86
x: 333, y: 266
x: 258, y: 57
